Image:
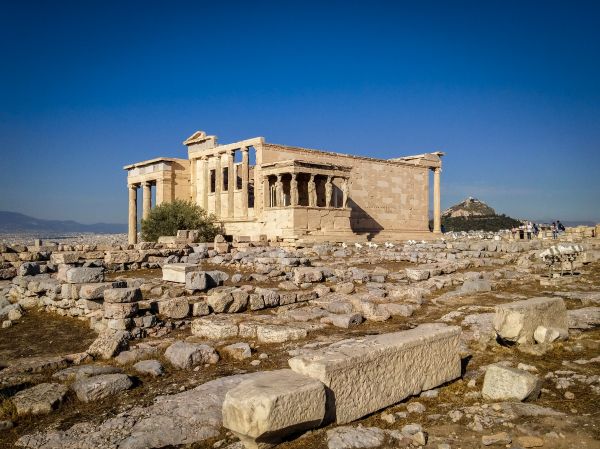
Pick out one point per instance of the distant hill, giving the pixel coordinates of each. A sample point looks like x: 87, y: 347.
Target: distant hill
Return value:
x: 474, y: 215
x: 13, y: 222
x: 471, y: 207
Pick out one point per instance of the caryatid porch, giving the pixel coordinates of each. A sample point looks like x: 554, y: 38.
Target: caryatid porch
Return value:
x: 306, y: 198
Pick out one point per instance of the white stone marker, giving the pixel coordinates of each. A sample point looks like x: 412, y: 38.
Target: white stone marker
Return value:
x: 517, y: 321
x: 175, y: 272
x: 263, y: 410
x: 368, y: 374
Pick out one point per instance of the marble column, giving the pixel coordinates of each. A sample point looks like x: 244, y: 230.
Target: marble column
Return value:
x: 328, y: 192
x: 245, y: 182
x: 204, y: 182
x: 132, y: 214
x: 147, y: 199
x: 218, y: 184
x: 193, y: 181
x: 437, y: 213
x: 230, y: 184
x: 293, y: 191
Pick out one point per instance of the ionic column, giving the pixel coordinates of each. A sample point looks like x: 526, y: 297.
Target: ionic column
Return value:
x: 245, y: 182
x: 218, y: 183
x: 132, y: 238
x: 230, y: 184
x: 293, y: 191
x: 147, y: 199
x: 437, y: 214
x: 193, y: 182
x: 204, y: 182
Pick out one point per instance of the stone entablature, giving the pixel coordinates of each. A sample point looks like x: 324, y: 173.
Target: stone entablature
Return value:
x: 257, y: 188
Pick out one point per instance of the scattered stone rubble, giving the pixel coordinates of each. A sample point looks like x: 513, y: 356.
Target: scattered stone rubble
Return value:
x: 214, y: 305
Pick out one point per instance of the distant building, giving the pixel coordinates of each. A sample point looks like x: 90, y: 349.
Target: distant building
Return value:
x: 258, y: 188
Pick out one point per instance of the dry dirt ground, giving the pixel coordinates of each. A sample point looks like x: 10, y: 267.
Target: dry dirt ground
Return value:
x: 46, y: 334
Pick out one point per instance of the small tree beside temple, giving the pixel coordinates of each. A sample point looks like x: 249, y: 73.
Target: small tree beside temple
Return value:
x: 168, y: 218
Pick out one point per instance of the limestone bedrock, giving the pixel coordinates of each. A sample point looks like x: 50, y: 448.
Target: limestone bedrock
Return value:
x: 263, y: 410
x: 368, y: 374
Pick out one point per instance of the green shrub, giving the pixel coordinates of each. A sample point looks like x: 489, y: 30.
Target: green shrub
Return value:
x: 168, y: 218
x: 490, y: 223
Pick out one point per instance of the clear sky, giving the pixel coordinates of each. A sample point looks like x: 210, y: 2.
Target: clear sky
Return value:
x: 509, y: 90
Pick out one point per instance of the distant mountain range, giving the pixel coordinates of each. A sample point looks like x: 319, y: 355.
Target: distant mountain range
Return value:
x: 13, y: 222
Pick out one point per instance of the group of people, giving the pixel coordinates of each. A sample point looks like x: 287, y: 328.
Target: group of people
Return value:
x: 531, y: 229
x: 557, y: 228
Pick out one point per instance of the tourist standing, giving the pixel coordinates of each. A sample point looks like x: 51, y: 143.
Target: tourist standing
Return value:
x: 554, y: 230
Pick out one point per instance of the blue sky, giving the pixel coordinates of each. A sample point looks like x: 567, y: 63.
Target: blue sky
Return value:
x: 509, y: 90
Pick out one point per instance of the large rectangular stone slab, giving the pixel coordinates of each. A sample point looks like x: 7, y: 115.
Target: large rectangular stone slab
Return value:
x: 263, y: 410
x: 81, y: 275
x: 175, y: 272
x: 365, y: 375
x: 517, y: 321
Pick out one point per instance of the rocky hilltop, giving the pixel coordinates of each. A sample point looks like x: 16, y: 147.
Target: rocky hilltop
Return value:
x: 471, y: 207
x: 473, y: 215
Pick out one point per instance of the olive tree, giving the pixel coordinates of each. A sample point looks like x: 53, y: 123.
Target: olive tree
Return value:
x: 168, y: 218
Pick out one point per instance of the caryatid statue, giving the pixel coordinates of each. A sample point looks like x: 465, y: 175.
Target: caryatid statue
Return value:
x: 294, y: 190
x: 312, y: 192
x: 328, y: 191
x: 345, y: 192
x: 279, y: 191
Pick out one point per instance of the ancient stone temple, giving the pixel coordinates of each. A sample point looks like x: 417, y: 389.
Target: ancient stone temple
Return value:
x: 257, y: 189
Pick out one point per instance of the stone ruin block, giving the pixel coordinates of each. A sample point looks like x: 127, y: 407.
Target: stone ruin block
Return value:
x: 416, y: 274
x: 96, y: 290
x: 203, y: 280
x: 307, y: 275
x: 517, y: 321
x: 65, y: 257
x: 176, y: 272
x: 503, y: 383
x: 81, y: 275
x: 214, y: 329
x: 175, y: 308
x: 368, y: 374
x: 261, y: 411
x: 122, y: 295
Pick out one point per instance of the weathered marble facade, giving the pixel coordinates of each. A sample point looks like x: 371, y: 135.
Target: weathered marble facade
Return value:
x: 297, y: 194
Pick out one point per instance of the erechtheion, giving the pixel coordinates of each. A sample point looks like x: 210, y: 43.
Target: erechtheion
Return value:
x: 257, y: 188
